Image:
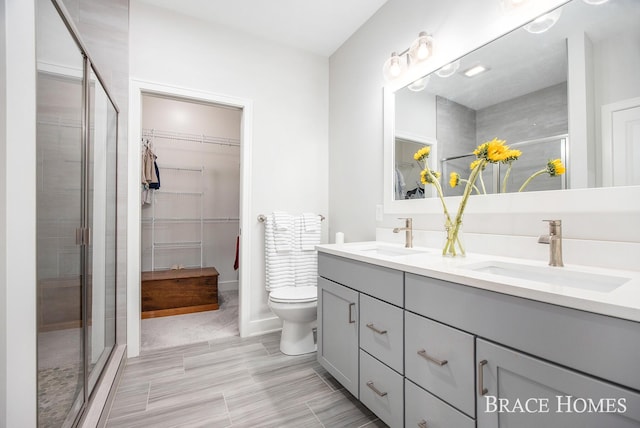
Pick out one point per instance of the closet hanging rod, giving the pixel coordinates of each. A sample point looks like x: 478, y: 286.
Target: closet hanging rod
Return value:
x: 196, y: 138
x: 262, y: 218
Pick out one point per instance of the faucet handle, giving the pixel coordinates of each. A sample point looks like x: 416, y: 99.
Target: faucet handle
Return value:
x: 554, y: 222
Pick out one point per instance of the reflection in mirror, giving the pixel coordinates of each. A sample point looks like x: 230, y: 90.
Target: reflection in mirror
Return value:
x: 569, y: 93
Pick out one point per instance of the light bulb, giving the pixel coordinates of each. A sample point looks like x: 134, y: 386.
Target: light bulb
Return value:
x: 394, y: 69
x: 544, y: 22
x: 449, y: 69
x: 394, y: 66
x: 420, y: 84
x: 421, y: 48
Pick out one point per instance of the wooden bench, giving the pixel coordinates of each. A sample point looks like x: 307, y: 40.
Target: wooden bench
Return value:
x: 177, y: 292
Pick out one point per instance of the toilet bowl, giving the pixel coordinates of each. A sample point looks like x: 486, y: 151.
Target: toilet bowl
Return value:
x: 297, y: 308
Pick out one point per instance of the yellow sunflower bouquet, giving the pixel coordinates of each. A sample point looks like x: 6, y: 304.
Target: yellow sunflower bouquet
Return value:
x: 494, y: 151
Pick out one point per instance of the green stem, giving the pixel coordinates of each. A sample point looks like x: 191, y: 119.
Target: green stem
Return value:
x: 484, y: 189
x: 534, y: 175
x: 506, y: 176
x: 474, y: 186
x: 451, y: 240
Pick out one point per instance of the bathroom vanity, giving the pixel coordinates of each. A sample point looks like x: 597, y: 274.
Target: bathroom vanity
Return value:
x: 424, y: 341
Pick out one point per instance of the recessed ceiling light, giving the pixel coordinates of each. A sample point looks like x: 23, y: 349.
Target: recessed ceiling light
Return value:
x: 596, y: 2
x: 475, y: 70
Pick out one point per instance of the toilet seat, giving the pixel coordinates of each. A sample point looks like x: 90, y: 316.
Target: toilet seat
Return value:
x: 294, y: 294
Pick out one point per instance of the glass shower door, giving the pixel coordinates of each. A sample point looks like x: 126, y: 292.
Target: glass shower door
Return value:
x: 59, y: 199
x: 101, y: 287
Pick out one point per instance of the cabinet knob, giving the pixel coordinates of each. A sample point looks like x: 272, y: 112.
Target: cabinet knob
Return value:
x: 422, y: 424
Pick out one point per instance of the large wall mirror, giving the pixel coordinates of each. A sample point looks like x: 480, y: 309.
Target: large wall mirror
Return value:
x: 570, y: 92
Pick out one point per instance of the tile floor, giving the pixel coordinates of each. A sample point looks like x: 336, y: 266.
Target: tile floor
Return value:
x: 178, y: 330
x: 195, y: 371
x: 233, y: 382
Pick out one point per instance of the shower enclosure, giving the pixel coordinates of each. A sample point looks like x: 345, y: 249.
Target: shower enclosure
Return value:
x: 76, y: 221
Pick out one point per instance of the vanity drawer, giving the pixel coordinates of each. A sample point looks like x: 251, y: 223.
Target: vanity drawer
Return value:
x: 381, y: 390
x: 441, y: 360
x: 423, y: 410
x: 377, y: 281
x: 381, y: 331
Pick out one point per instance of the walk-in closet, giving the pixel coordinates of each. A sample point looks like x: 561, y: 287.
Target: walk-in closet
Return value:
x: 190, y: 196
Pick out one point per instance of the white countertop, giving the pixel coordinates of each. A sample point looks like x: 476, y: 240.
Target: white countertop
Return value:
x: 622, y: 301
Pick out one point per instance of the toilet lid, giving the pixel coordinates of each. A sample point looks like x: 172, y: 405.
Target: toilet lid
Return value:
x: 294, y: 294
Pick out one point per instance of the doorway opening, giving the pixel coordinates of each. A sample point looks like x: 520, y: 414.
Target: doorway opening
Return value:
x: 187, y: 262
x: 190, y: 211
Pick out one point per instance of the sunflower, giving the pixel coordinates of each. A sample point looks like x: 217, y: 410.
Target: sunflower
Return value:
x: 555, y: 167
x: 454, y: 179
x: 426, y: 176
x: 422, y: 154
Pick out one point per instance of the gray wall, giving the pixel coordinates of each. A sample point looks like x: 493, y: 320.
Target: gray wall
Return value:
x: 456, y: 128
x: 539, y: 114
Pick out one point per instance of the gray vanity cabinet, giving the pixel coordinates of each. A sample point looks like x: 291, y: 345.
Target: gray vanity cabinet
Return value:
x: 536, y: 393
x: 423, y: 352
x: 338, y: 332
x: 361, y: 332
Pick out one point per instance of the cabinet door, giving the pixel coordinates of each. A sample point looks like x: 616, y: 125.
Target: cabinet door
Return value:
x: 518, y: 391
x: 338, y: 332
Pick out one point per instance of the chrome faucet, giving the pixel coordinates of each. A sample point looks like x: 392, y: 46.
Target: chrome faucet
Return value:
x: 554, y: 239
x: 408, y: 228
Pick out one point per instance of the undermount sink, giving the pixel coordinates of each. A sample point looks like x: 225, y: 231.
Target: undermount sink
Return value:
x: 390, y: 251
x: 551, y: 275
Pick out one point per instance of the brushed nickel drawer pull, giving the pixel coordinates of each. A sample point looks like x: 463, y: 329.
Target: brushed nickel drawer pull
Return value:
x: 351, y: 320
x: 376, y: 390
x: 481, y: 389
x: 426, y: 356
x: 422, y: 424
x: 372, y: 327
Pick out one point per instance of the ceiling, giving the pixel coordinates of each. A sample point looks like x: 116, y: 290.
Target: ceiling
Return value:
x: 320, y: 27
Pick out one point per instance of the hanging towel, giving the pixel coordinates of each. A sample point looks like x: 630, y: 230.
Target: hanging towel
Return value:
x: 278, y: 265
x: 236, y: 263
x: 283, y: 233
x: 309, y: 232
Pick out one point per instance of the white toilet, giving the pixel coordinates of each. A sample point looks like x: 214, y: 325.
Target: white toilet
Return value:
x: 297, y: 308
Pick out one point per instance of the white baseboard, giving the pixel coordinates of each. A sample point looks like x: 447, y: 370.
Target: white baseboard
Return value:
x: 263, y: 326
x: 228, y: 286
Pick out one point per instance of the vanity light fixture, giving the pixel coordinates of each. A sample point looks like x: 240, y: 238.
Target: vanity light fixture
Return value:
x: 544, y: 22
x: 475, y: 70
x: 595, y: 2
x: 512, y: 4
x: 420, y: 50
x: 449, y: 69
x: 420, y: 84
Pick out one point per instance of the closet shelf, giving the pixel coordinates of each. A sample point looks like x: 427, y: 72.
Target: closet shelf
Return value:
x: 166, y: 192
x: 196, y: 138
x: 174, y: 245
x: 192, y: 220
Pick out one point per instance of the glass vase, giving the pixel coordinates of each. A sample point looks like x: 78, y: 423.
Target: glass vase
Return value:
x: 454, y: 239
